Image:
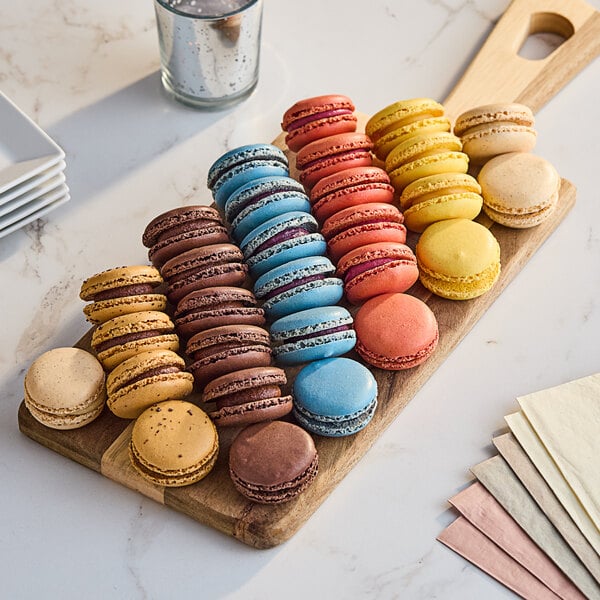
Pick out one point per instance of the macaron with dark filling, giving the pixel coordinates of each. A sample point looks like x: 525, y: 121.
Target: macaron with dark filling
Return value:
x: 248, y: 396
x: 120, y: 291
x: 272, y: 462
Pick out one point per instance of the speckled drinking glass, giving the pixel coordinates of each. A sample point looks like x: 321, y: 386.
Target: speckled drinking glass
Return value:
x: 209, y: 49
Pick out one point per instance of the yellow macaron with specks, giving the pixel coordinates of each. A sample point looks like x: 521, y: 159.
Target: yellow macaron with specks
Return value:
x: 458, y: 259
x: 423, y: 155
x: 440, y: 197
x: 400, y: 120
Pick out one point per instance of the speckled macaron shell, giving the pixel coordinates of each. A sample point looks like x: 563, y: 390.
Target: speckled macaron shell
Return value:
x: 298, y: 285
x: 423, y: 155
x: 458, y: 259
x: 401, y: 120
x: 280, y: 240
x: 123, y: 337
x: 395, y: 331
x: 312, y: 334
x: 242, y: 165
x: 520, y: 190
x: 208, y: 266
x: 120, y: 291
x: 216, y: 306
x: 334, y: 397
x: 261, y: 200
x: 272, y: 462
x: 248, y: 396
x: 311, y: 119
x: 181, y: 229
x: 225, y: 349
x: 493, y: 129
x: 378, y: 268
x: 64, y: 388
x: 329, y: 155
x: 145, y: 379
x: 361, y: 225
x: 350, y: 187
x: 174, y: 443
x: 439, y: 197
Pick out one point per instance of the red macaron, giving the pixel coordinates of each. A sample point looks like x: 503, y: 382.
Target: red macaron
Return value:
x: 377, y: 269
x: 315, y: 118
x: 360, y: 225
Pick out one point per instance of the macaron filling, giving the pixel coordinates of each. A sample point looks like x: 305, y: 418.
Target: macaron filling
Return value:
x: 336, y: 157
x: 326, y: 114
x: 293, y: 284
x: 316, y: 334
x: 154, y: 372
x: 130, y: 337
x: 356, y: 270
x: 255, y: 394
x: 335, y: 426
x: 283, y: 236
x: 124, y: 291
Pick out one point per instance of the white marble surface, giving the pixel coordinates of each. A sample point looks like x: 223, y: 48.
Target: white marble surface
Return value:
x: 87, y: 72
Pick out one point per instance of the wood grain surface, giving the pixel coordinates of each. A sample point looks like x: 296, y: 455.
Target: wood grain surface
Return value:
x: 102, y: 445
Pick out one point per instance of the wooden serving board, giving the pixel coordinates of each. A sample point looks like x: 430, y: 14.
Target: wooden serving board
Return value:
x: 102, y: 445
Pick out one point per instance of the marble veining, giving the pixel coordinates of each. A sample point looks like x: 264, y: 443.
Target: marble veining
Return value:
x: 87, y: 72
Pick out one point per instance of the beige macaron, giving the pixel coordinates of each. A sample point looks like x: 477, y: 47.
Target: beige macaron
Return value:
x: 493, y: 129
x: 145, y: 379
x: 519, y: 189
x: 173, y: 443
x: 64, y: 388
x: 128, y: 335
x: 120, y: 291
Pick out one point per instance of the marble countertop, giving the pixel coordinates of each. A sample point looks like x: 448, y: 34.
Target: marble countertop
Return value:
x: 87, y: 72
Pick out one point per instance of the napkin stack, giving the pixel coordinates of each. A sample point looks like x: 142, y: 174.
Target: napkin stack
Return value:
x: 532, y: 518
x: 32, y: 179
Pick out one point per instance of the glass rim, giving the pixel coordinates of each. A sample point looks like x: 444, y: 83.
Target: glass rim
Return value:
x: 200, y: 17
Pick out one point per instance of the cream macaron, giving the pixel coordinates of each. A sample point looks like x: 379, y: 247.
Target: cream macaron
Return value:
x: 64, y: 388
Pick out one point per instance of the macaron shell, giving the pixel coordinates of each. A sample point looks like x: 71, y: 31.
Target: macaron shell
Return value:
x: 512, y: 112
x: 442, y: 184
x: 395, y: 331
x: 119, y: 277
x: 441, y: 162
x: 117, y: 354
x: 174, y: 443
x: 65, y: 422
x: 104, y: 310
x: 486, y: 141
x: 253, y: 412
x: 466, y: 205
x: 420, y: 146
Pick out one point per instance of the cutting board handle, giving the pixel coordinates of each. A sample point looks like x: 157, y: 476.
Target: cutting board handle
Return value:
x: 499, y: 74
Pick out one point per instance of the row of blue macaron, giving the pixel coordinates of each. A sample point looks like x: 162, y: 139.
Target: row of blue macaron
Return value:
x: 268, y: 213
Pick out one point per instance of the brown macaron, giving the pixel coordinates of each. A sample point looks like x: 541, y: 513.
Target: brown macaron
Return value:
x: 181, y: 229
x: 123, y: 337
x: 121, y: 291
x: 145, y: 379
x: 217, y: 306
x: 222, y: 350
x: 272, y: 462
x: 209, y: 266
x: 248, y: 396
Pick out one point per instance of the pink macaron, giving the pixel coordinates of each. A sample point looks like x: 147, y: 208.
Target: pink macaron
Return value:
x: 332, y: 154
x: 315, y: 118
x: 360, y: 225
x: 375, y: 269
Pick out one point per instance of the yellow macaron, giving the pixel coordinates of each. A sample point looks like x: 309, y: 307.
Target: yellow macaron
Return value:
x: 520, y: 189
x: 400, y: 120
x: 440, y: 197
x: 173, y: 443
x: 458, y: 259
x: 425, y: 154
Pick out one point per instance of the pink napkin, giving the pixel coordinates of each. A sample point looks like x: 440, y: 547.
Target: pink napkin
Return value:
x: 470, y: 543
x: 483, y: 511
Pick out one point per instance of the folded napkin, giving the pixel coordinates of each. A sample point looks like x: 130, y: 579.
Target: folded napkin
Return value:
x: 483, y: 511
x: 566, y: 418
x: 535, y: 450
x: 541, y: 492
x: 470, y: 543
x: 502, y: 483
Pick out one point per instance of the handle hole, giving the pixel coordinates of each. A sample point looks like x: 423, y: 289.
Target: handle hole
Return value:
x: 547, y: 31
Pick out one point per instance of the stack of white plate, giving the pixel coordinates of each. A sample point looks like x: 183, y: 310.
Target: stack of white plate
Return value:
x: 32, y: 180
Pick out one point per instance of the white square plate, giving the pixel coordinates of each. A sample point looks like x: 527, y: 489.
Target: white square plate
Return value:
x: 25, y: 149
x: 34, y: 215
x: 32, y: 182
x: 31, y: 195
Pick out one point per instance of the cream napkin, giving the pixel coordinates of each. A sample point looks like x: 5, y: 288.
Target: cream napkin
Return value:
x: 567, y: 420
x: 482, y: 510
x: 530, y: 442
x: 503, y: 484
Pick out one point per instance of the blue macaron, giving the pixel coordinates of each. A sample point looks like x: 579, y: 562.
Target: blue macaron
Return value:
x: 334, y: 397
x: 280, y: 240
x: 298, y: 285
x: 262, y: 199
x: 312, y: 334
x: 242, y: 165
